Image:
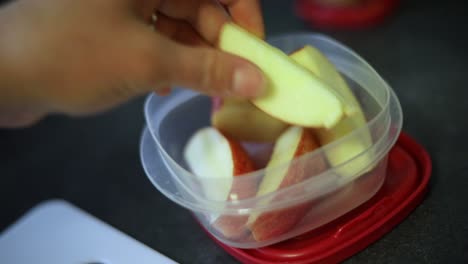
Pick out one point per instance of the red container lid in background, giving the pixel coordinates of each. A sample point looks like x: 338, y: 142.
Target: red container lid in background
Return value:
x: 408, y: 173
x: 366, y: 14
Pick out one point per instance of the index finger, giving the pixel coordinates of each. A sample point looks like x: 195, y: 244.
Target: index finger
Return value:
x: 247, y: 14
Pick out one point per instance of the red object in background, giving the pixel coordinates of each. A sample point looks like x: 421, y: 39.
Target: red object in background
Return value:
x: 408, y: 173
x: 366, y: 14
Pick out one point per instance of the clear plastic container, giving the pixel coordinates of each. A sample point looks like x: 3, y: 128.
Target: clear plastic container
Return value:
x: 252, y: 221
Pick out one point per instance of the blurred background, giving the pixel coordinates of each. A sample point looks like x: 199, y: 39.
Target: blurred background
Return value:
x: 93, y: 162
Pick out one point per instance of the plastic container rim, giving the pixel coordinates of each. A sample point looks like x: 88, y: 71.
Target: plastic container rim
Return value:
x: 233, y: 207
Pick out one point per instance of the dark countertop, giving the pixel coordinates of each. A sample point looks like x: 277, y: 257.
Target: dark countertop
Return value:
x: 94, y: 162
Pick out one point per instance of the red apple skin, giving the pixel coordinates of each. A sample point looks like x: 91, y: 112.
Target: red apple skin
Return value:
x: 231, y: 226
x: 370, y: 182
x: 242, y: 164
x: 272, y: 224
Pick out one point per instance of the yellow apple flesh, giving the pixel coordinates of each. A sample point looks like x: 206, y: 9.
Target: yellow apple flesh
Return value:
x: 312, y: 59
x: 243, y: 121
x: 281, y: 172
x: 293, y: 95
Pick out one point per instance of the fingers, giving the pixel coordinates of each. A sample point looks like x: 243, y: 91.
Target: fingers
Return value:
x: 178, y: 30
x: 247, y: 14
x: 206, y: 70
x: 206, y: 16
x: 216, y: 73
x: 19, y: 119
x: 145, y: 8
x: 163, y: 91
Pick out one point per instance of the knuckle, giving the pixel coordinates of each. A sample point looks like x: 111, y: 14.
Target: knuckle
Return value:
x: 211, y: 77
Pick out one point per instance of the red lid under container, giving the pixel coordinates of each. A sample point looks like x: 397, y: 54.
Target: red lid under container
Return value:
x: 408, y: 173
x: 365, y: 14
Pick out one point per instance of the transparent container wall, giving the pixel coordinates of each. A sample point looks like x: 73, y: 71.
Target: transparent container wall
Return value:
x: 320, y: 194
x: 253, y: 230
x: 188, y: 112
x: 321, y: 202
x: 345, y: 60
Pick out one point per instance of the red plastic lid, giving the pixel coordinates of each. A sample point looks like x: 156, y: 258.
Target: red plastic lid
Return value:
x: 368, y: 13
x: 408, y: 173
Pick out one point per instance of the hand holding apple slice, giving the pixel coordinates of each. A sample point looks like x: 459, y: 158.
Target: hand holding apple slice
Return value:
x: 294, y: 95
x: 216, y: 160
x: 312, y: 59
x: 293, y: 143
x: 243, y: 121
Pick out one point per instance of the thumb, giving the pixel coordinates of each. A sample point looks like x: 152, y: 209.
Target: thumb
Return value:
x: 211, y: 71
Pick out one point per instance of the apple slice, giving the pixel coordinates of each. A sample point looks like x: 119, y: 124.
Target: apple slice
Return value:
x: 312, y: 59
x: 293, y: 143
x: 260, y: 153
x: 243, y: 121
x: 215, y: 159
x: 294, y: 95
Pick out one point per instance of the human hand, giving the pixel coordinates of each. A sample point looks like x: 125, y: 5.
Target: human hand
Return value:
x: 82, y: 57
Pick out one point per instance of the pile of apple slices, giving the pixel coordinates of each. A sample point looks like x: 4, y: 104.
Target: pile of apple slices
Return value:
x: 307, y: 105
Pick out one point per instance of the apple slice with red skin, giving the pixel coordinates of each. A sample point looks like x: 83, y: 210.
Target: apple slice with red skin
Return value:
x: 216, y: 159
x: 312, y: 59
x: 243, y: 121
x: 234, y: 226
x: 293, y: 143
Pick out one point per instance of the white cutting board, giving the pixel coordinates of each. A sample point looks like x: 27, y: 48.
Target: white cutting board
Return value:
x: 56, y: 232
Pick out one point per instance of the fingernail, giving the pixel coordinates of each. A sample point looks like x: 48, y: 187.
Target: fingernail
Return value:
x: 164, y: 91
x: 248, y: 81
